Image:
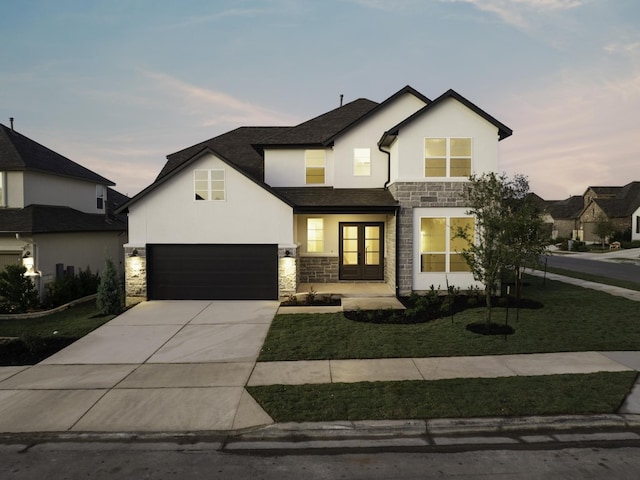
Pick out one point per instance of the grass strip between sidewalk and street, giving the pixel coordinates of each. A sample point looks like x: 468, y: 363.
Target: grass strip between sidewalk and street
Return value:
x: 573, y: 319
x: 596, y: 393
x: 595, y: 278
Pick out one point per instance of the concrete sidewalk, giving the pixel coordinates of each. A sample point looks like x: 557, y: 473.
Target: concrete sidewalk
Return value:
x: 182, y: 367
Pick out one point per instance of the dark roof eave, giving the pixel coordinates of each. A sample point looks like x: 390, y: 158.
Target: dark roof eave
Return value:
x: 342, y: 209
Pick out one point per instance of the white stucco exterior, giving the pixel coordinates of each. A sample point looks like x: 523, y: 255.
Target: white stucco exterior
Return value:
x: 249, y: 214
x: 448, y: 119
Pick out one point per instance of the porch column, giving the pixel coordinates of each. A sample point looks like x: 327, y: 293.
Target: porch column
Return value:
x: 135, y: 271
x: 288, y: 270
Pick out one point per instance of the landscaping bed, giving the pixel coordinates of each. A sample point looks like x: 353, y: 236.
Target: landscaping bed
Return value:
x: 572, y: 319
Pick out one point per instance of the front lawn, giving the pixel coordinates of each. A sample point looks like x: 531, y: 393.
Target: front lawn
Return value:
x: 456, y: 398
x: 37, y: 338
x: 572, y: 319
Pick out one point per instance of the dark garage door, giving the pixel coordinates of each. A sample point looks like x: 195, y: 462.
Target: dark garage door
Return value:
x: 212, y: 272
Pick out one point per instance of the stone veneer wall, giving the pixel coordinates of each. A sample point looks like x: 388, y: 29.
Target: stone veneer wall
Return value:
x: 288, y: 271
x: 319, y: 269
x: 390, y: 253
x: 412, y: 195
x: 135, y: 274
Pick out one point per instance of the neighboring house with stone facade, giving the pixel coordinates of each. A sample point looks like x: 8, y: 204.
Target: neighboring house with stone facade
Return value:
x: 620, y: 205
x: 368, y: 192
x: 55, y: 213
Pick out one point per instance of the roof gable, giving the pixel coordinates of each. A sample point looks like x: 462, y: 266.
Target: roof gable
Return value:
x: 321, y: 131
x: 18, y: 153
x: 390, y: 135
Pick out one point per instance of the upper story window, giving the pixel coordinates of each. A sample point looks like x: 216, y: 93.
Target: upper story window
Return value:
x: 100, y: 197
x: 439, y: 247
x: 3, y: 190
x: 209, y: 184
x: 447, y: 157
x: 362, y: 162
x: 315, y: 235
x: 314, y: 161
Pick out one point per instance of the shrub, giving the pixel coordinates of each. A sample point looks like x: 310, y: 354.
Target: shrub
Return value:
x: 17, y: 292
x: 110, y: 299
x: 71, y: 287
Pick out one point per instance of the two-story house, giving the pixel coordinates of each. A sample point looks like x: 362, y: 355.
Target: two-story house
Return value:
x: 54, y: 213
x: 366, y: 192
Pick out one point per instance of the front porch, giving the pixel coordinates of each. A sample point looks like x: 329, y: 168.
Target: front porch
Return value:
x: 354, y: 296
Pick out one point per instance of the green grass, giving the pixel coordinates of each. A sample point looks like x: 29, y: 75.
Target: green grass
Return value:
x: 73, y: 322
x: 595, y: 278
x: 573, y: 319
x: 457, y: 398
x: 39, y: 338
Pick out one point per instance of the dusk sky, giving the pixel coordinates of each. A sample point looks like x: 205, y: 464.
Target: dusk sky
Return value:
x: 116, y: 85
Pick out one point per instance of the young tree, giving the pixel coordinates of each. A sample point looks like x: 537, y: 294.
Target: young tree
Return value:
x: 110, y: 296
x: 508, y: 229
x: 603, y: 228
x: 17, y: 292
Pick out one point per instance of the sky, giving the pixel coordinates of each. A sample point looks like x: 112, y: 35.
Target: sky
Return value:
x: 117, y: 85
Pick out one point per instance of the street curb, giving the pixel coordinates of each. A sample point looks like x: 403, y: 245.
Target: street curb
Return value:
x: 326, y: 437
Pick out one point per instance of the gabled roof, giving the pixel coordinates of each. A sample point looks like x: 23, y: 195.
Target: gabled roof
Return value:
x: 184, y: 164
x: 54, y: 219
x: 625, y: 202
x: 19, y: 153
x: 321, y: 131
x: 234, y: 145
x: 390, y: 135
x: 338, y: 200
x: 567, y: 209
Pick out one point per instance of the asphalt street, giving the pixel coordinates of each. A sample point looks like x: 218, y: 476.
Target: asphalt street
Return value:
x: 618, y: 270
x: 170, y: 461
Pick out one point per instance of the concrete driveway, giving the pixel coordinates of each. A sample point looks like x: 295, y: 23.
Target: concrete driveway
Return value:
x: 162, y: 366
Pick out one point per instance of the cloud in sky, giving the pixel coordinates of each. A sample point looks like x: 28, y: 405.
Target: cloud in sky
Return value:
x: 517, y: 12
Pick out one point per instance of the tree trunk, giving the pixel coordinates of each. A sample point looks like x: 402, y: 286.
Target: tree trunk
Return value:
x: 488, y: 303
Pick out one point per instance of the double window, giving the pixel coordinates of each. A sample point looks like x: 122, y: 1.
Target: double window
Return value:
x: 447, y: 157
x: 314, y: 161
x: 209, y: 184
x: 440, y: 248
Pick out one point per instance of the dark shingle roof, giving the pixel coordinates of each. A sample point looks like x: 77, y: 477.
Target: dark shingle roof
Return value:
x: 318, y: 130
x: 326, y: 199
x: 53, y: 219
x: 235, y: 145
x: 569, y: 208
x: 625, y: 202
x: 18, y: 152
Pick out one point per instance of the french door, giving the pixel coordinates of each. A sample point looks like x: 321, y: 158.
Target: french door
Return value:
x: 361, y: 251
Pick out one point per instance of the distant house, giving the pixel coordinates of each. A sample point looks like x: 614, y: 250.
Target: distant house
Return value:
x: 564, y: 217
x: 55, y: 214
x: 365, y: 192
x: 618, y: 204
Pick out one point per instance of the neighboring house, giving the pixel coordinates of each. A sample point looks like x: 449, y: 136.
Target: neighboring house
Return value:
x: 620, y: 205
x: 54, y: 213
x: 564, y: 215
x: 366, y: 192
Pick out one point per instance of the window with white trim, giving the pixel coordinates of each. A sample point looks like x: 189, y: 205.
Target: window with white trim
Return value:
x: 361, y: 162
x: 3, y: 190
x: 447, y: 157
x: 209, y: 184
x: 100, y: 197
x: 314, y: 162
x: 315, y: 235
x: 440, y: 249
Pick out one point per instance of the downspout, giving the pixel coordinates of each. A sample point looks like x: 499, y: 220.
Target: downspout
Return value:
x: 386, y: 187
